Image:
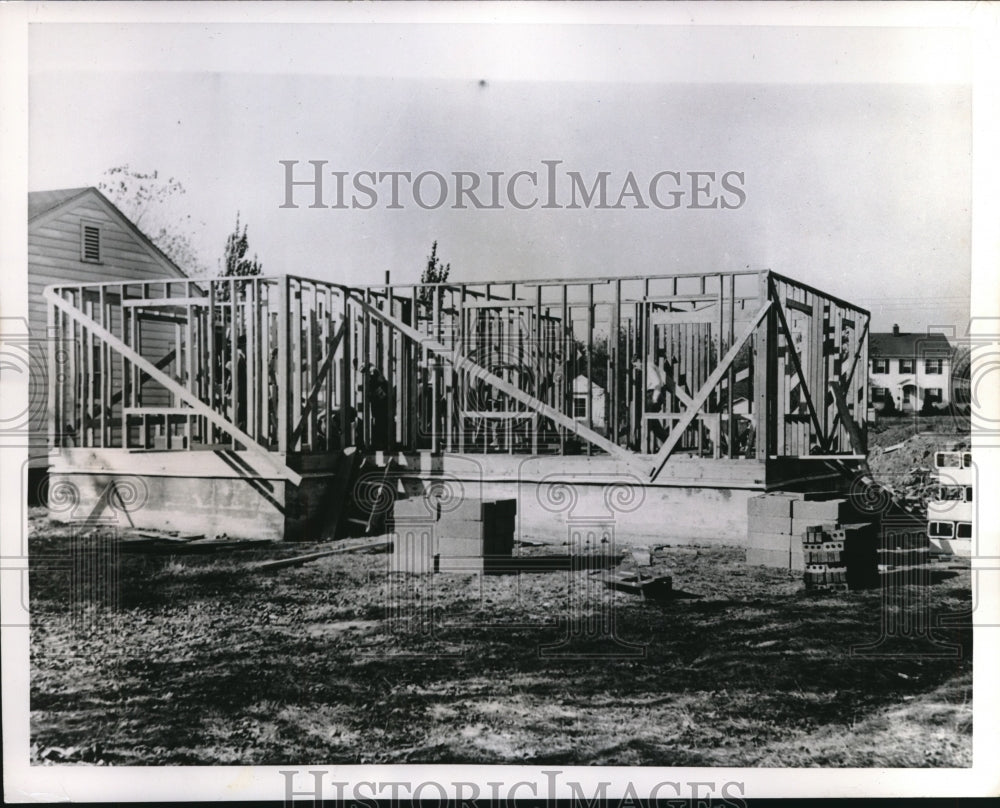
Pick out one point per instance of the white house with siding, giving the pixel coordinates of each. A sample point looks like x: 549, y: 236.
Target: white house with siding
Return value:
x: 911, y: 368
x: 77, y: 235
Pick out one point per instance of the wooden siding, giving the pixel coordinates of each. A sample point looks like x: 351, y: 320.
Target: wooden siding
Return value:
x: 54, y: 256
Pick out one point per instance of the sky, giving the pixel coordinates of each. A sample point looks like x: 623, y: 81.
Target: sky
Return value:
x: 853, y: 157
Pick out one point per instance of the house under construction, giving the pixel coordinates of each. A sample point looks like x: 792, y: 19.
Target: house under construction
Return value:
x: 272, y: 406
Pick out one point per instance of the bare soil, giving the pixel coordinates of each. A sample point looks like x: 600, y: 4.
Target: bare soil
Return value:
x: 199, y: 660
x: 911, y: 442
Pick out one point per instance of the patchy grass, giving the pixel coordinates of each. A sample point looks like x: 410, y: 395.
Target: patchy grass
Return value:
x: 200, y: 661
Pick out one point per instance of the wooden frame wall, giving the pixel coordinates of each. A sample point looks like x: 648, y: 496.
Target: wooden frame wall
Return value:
x: 302, y: 366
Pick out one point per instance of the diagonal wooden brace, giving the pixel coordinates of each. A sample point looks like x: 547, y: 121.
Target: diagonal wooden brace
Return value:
x: 198, y: 407
x: 317, y: 386
x: 846, y: 383
x: 460, y: 362
x: 706, y: 390
x: 853, y: 430
x: 797, y: 364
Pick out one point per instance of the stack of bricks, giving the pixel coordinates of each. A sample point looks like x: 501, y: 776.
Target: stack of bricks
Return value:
x: 476, y: 536
x: 841, y: 556
x: 778, y: 525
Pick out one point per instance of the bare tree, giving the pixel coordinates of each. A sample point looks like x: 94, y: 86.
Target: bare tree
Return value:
x: 149, y: 202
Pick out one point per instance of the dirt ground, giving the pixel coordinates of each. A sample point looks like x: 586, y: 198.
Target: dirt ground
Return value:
x: 912, y: 441
x: 202, y: 660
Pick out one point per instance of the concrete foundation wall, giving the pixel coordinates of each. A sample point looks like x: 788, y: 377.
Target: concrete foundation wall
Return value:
x: 559, y: 499
x: 673, y: 515
x: 199, y: 492
x: 213, y: 506
x: 598, y: 495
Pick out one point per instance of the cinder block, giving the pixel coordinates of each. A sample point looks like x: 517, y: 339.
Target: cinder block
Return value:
x: 412, y: 551
x: 829, y: 510
x: 769, y: 541
x: 813, y: 535
x: 825, y: 557
x: 460, y: 547
x: 499, y: 544
x: 473, y: 527
x: 499, y: 511
x: 459, y: 565
x: 801, y: 526
x: 777, y: 503
x: 416, y: 508
x: 770, y: 524
x: 464, y: 511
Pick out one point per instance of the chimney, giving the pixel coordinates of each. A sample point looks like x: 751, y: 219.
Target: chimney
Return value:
x: 895, y: 330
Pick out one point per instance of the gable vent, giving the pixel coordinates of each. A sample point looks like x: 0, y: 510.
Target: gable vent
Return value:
x: 91, y: 243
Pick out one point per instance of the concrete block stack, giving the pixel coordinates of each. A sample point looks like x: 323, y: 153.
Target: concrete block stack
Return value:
x: 771, y: 540
x: 412, y: 549
x: 413, y: 528
x: 477, y: 536
x: 841, y: 556
x: 823, y: 539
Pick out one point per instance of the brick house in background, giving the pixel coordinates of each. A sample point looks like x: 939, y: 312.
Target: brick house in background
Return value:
x: 77, y: 235
x: 913, y: 369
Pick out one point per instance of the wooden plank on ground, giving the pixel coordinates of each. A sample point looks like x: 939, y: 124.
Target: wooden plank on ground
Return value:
x: 281, y: 563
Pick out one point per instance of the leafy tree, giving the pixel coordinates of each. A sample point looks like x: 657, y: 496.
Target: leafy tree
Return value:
x: 150, y: 203
x: 434, y: 272
x: 236, y: 263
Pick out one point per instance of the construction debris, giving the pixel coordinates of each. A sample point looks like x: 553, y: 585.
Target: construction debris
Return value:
x: 173, y: 542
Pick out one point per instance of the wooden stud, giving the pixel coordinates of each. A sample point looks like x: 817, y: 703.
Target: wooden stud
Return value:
x: 590, y: 362
x: 54, y: 343
x: 702, y: 396
x: 282, y: 374
x: 793, y: 355
x: 731, y: 335
x: 760, y: 382
x: 189, y: 351
x: 615, y: 366
x: 346, y: 375
x: 306, y: 417
x: 96, y: 330
x: 464, y: 364
x: 538, y: 368
x: 460, y: 380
